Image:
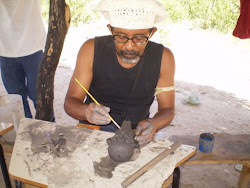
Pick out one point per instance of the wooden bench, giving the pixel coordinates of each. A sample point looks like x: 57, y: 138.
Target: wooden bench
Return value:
x: 228, y: 149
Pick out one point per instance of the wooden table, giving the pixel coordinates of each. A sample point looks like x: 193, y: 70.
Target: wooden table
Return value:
x: 32, y: 161
x: 228, y: 149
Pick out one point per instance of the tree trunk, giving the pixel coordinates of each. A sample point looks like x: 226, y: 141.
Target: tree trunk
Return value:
x: 59, y: 20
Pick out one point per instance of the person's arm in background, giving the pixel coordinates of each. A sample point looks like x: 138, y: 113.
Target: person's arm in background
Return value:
x: 147, y: 128
x: 73, y: 104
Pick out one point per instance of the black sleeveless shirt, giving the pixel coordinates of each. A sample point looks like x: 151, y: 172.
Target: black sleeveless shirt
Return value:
x: 112, y: 84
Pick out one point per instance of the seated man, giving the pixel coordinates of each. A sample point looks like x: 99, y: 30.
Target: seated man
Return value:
x: 123, y: 70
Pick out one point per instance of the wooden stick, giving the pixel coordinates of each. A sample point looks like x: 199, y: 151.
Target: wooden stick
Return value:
x: 91, y: 96
x: 150, y: 164
x: 6, y: 130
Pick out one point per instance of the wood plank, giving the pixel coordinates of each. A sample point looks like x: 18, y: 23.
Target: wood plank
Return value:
x: 5, y: 130
x: 244, y: 177
x: 29, y: 183
x: 30, y: 186
x: 7, y: 149
x: 227, y: 148
x: 247, y: 163
x: 168, y: 182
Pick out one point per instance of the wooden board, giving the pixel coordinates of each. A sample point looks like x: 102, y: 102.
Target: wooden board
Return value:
x: 6, y: 129
x: 227, y: 148
x: 7, y: 149
x: 30, y: 164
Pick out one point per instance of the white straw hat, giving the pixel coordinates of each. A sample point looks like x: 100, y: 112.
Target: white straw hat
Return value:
x: 132, y: 14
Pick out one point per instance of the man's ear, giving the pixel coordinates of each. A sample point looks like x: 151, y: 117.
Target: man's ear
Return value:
x: 153, y: 31
x: 109, y: 26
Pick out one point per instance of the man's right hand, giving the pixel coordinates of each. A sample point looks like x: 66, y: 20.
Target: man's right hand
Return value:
x: 98, y: 115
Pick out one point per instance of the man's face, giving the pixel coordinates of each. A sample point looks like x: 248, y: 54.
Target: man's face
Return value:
x: 130, y: 44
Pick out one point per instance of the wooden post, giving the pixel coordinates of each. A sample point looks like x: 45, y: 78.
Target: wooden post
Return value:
x: 244, y: 177
x: 59, y: 20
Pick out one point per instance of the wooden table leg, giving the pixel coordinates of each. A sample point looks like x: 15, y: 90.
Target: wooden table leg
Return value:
x: 244, y: 177
x: 176, y: 178
x: 4, y: 169
x: 173, y: 180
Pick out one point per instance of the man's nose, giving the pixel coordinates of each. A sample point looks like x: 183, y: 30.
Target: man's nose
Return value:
x: 130, y: 44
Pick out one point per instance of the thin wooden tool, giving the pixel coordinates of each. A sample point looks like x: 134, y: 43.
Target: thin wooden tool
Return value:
x: 116, y: 124
x: 150, y: 164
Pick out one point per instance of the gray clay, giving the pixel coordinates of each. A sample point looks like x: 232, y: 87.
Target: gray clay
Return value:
x: 122, y: 144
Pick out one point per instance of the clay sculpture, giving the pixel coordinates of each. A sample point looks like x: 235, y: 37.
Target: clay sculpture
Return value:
x: 122, y: 144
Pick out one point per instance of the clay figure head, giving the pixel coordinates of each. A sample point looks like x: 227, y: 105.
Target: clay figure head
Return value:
x: 122, y: 144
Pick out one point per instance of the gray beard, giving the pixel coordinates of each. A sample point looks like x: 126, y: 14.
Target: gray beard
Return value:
x: 130, y: 61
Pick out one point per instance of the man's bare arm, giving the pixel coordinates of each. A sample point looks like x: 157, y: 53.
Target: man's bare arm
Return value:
x: 166, y: 102
x: 73, y: 104
x: 166, y: 99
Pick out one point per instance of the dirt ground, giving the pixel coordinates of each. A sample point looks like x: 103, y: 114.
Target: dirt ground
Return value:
x: 211, y: 68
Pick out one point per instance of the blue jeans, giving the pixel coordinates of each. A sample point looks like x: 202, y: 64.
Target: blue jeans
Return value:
x: 109, y: 128
x: 19, y: 76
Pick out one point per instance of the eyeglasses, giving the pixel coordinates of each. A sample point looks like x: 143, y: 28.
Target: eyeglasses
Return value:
x: 135, y: 39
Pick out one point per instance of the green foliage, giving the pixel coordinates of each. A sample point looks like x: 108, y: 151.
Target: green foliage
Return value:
x: 224, y: 15
x: 175, y: 14
x: 45, y: 9
x: 220, y: 15
x: 82, y: 11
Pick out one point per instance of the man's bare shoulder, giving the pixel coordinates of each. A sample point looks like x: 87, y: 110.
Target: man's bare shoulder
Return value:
x: 85, y: 55
x: 168, y: 52
x: 168, y: 57
x: 87, y: 46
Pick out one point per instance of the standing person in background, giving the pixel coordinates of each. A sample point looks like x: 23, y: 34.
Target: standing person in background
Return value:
x: 22, y: 40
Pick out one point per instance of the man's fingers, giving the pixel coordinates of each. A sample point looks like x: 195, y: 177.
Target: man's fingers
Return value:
x: 145, y: 133
x: 144, y: 129
x: 107, y: 109
x: 102, y: 110
x: 143, y: 140
x: 99, y: 114
x: 100, y: 119
x: 140, y: 129
x: 140, y: 138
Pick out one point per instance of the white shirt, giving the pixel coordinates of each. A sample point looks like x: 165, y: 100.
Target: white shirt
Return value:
x: 22, y: 30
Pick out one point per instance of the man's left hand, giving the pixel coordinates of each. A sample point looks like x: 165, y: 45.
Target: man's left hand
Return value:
x: 145, y: 132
